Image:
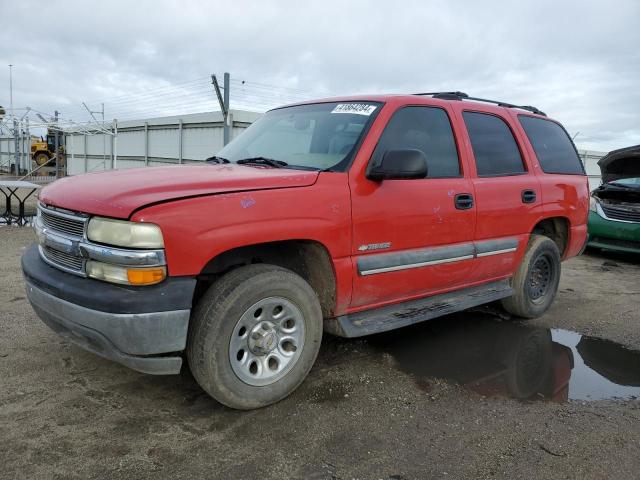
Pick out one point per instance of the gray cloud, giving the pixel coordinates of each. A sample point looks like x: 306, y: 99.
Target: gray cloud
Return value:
x: 578, y: 61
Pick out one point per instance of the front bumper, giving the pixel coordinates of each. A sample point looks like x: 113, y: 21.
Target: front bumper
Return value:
x: 613, y: 235
x: 143, y: 328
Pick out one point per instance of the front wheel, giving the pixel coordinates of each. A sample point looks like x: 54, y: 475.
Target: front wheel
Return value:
x: 41, y: 159
x: 536, y: 282
x: 254, y: 336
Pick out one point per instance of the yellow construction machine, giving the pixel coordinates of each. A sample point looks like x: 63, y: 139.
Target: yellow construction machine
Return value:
x: 43, y: 150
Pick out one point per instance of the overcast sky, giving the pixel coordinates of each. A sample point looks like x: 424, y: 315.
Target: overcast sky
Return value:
x: 577, y: 61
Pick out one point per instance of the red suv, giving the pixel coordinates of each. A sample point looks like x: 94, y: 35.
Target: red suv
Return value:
x: 350, y: 215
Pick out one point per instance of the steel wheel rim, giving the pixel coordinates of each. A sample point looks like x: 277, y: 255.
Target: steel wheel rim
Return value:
x: 267, y: 341
x: 540, y: 278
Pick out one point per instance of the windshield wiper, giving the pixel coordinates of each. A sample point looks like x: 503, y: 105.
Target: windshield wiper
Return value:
x: 263, y: 161
x: 216, y: 159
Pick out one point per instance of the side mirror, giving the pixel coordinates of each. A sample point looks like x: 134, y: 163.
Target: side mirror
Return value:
x: 399, y: 164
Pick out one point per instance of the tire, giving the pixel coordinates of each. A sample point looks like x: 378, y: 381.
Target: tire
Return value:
x: 41, y: 159
x: 222, y: 336
x: 535, y: 284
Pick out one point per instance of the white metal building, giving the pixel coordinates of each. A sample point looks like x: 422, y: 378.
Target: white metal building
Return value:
x: 170, y: 140
x: 590, y: 161
x: 152, y: 142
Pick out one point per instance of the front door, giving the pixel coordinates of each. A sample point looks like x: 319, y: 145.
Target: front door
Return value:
x: 412, y: 238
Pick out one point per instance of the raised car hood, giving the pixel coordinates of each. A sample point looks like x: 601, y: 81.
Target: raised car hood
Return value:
x: 618, y: 164
x: 118, y: 193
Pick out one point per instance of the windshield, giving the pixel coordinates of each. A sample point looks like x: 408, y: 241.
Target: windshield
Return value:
x: 320, y: 136
x: 628, y: 181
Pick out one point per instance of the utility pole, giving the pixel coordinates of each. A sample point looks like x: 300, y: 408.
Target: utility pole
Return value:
x: 227, y: 118
x: 15, y: 124
x: 11, y: 89
x: 224, y: 105
x: 56, y: 145
x: 114, y: 165
x: 104, y: 139
x: 27, y: 148
x: 16, y: 145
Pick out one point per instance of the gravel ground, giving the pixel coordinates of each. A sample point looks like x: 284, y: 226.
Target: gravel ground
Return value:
x: 65, y: 413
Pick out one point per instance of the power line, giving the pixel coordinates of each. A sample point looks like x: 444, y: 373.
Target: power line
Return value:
x: 166, y: 87
x: 188, y: 88
x: 143, y: 101
x: 158, y: 102
x: 258, y: 84
x: 192, y: 96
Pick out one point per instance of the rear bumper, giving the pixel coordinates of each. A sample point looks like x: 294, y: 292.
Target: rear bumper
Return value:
x: 613, y: 235
x: 577, y: 241
x: 136, y: 328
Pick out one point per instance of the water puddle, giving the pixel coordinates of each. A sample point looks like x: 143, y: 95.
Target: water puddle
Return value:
x: 493, y: 357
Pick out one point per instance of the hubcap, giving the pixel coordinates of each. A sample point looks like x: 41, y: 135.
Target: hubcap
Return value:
x: 263, y: 338
x: 267, y: 341
x: 540, y: 278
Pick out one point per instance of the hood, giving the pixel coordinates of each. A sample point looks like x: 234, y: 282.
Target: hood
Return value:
x: 118, y: 193
x: 618, y: 164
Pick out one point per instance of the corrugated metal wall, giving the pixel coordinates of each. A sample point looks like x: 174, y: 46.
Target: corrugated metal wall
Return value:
x: 153, y: 142
x: 7, y: 152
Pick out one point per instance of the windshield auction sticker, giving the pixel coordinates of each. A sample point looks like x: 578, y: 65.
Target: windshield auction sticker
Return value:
x: 355, y: 108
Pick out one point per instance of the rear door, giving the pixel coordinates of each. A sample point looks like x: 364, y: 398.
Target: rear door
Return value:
x: 507, y: 194
x: 410, y: 239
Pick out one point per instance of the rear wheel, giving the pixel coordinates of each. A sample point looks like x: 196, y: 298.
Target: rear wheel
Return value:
x: 254, y: 336
x: 536, y: 282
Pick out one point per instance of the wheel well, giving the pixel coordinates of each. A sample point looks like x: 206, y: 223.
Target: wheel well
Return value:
x: 309, y: 259
x: 557, y: 229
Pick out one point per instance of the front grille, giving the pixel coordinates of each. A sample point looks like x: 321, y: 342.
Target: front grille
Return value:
x: 616, y: 213
x: 63, y: 223
x: 63, y: 259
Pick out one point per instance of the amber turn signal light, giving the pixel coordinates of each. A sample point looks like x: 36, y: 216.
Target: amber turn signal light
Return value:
x: 146, y: 276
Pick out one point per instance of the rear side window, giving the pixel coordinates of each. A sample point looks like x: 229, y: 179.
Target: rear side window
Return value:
x: 494, y: 147
x: 552, y: 145
x: 422, y: 128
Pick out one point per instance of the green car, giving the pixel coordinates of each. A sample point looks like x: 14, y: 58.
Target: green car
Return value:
x: 614, y: 217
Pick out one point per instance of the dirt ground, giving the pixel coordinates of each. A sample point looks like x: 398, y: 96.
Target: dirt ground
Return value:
x: 65, y: 413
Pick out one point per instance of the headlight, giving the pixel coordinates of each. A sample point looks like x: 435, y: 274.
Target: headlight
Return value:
x: 592, y: 204
x: 124, y: 234
x: 125, y: 275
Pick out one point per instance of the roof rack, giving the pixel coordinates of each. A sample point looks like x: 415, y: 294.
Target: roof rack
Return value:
x: 464, y: 96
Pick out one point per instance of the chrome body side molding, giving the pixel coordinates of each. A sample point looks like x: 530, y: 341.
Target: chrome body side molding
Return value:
x: 404, y: 260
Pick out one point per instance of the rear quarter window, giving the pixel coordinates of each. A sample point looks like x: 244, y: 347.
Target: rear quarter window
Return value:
x: 552, y: 145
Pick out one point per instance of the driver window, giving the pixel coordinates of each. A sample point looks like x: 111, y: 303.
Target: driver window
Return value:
x: 422, y: 128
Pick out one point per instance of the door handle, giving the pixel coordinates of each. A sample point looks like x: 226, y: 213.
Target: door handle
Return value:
x: 463, y: 201
x: 528, y: 196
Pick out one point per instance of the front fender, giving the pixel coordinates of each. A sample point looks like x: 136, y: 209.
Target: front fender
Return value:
x: 198, y: 229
